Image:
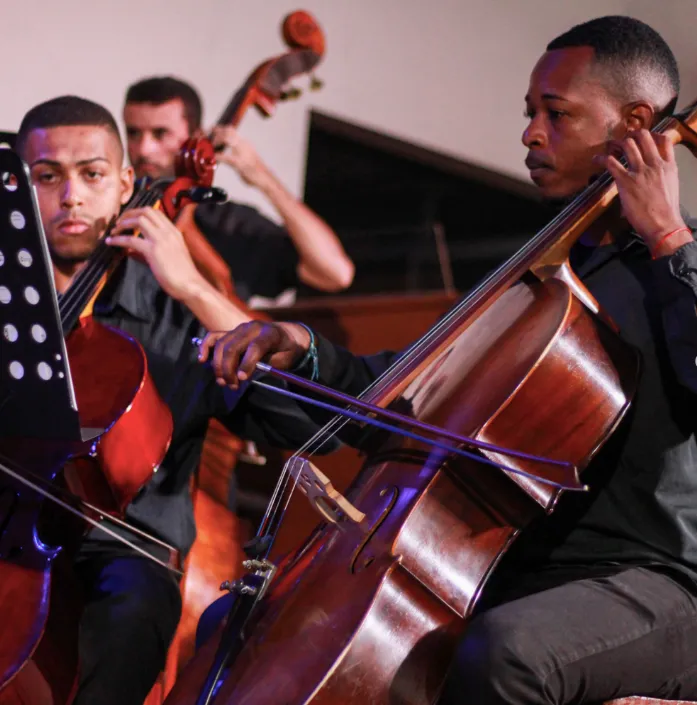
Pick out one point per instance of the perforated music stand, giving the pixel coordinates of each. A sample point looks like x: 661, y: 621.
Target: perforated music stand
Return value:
x: 37, y: 399
x: 8, y: 139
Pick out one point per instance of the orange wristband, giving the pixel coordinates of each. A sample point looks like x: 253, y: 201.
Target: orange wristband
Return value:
x: 666, y: 236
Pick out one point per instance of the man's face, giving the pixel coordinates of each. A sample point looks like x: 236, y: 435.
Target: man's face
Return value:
x: 154, y: 134
x: 571, y: 118
x: 80, y: 183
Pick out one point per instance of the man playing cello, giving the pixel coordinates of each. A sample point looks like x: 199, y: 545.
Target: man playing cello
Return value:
x: 600, y: 600
x: 132, y: 605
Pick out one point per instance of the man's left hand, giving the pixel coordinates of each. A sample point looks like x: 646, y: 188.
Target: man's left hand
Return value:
x: 239, y: 154
x: 649, y: 189
x: 162, y: 246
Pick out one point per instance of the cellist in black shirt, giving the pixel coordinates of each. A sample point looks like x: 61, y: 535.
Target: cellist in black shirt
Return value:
x: 600, y: 600
x: 132, y: 604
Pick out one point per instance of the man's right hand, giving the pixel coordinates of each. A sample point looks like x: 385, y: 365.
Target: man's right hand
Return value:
x: 236, y: 353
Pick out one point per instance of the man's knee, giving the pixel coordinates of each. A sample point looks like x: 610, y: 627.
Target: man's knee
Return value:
x: 212, y: 618
x: 132, y: 593
x: 495, y: 662
x: 130, y: 616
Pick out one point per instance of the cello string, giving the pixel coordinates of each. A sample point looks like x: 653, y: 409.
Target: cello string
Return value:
x: 74, y: 299
x: 493, y: 281
x: 314, y: 444
x: 567, y: 216
x: 76, y: 512
x: 98, y: 263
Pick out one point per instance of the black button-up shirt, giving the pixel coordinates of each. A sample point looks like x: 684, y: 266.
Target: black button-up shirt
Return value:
x: 134, y: 302
x: 262, y: 258
x: 642, y: 508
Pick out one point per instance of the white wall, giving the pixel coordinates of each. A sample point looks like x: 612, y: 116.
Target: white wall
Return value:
x: 449, y: 74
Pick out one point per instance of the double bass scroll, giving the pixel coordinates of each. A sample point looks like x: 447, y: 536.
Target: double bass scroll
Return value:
x: 263, y: 88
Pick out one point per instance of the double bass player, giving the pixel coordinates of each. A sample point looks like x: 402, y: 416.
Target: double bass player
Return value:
x: 266, y: 260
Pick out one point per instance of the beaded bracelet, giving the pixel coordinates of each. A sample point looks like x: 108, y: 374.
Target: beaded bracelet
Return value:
x: 665, y: 237
x: 310, y: 356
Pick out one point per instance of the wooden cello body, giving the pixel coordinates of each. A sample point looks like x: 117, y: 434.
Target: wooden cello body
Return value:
x: 119, y: 396
x: 371, y: 615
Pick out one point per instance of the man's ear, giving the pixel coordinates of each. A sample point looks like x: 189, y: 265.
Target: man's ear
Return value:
x: 127, y: 180
x: 638, y: 116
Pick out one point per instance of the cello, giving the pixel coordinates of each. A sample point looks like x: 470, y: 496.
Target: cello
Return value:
x: 130, y: 432
x: 527, y: 374
x: 214, y: 556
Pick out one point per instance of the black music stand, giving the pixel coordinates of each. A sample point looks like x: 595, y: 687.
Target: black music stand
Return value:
x: 8, y: 139
x: 37, y: 399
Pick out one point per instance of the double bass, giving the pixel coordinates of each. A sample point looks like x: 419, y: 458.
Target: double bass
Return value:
x: 527, y: 374
x: 263, y: 88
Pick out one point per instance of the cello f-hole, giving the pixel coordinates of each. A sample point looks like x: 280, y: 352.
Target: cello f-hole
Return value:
x: 356, y: 563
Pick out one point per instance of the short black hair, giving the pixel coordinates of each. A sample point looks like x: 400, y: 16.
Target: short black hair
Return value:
x: 65, y: 111
x: 640, y: 63
x: 162, y: 89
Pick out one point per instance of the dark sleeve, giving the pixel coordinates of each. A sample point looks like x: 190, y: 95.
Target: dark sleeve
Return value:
x: 342, y: 370
x: 349, y: 373
x: 265, y: 417
x: 675, y: 277
x: 262, y: 258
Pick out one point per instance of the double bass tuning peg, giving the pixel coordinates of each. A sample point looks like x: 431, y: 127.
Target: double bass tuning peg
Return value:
x: 291, y: 94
